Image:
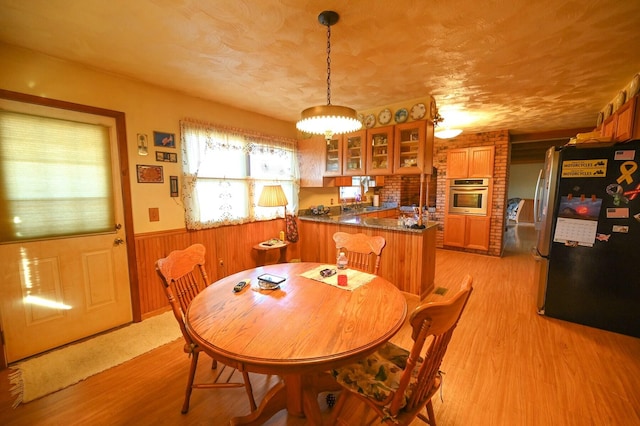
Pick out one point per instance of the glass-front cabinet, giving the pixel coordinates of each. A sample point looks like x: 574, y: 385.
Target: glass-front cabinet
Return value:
x: 333, y: 156
x: 409, y: 147
x: 354, y: 153
x: 380, y: 151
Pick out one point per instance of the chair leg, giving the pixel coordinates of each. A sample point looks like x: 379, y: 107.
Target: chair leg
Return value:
x: 192, y: 374
x: 432, y: 417
x: 247, y: 386
x: 337, y: 408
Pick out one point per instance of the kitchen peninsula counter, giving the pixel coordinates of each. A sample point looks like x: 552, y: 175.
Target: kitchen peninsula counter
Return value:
x: 408, y: 258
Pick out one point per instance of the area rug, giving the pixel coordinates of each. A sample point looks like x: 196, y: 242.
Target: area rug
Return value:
x: 55, y: 370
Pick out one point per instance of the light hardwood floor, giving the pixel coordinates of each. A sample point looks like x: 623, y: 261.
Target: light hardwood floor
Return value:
x: 506, y: 365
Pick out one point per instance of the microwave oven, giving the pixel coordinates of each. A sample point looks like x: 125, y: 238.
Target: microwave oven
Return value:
x: 469, y: 196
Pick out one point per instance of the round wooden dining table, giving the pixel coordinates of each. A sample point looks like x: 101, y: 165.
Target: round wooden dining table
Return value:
x: 298, y: 331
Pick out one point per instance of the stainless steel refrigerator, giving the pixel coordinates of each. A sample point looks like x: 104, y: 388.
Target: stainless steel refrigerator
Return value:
x: 587, y: 216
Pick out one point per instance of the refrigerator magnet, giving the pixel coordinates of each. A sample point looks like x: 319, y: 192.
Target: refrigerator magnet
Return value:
x: 617, y: 213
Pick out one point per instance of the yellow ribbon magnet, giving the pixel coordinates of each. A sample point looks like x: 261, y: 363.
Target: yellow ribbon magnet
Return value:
x: 626, y: 169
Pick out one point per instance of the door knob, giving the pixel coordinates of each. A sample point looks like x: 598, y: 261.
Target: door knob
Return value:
x: 118, y: 241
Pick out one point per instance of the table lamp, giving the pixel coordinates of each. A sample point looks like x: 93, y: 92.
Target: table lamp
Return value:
x: 273, y: 196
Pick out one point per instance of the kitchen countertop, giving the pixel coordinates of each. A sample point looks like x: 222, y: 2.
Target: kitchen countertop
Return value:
x: 368, y: 222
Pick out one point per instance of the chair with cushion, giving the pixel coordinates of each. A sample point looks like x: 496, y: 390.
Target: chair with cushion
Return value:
x: 396, y: 384
x: 183, y: 276
x: 363, y: 251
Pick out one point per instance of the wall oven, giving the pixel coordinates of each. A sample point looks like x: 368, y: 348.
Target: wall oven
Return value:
x: 469, y: 196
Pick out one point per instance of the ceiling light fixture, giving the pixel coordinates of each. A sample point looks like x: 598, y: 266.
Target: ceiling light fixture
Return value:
x: 447, y: 133
x: 328, y: 120
x: 443, y: 132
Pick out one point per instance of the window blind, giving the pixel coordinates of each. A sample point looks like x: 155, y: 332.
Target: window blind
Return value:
x: 55, y: 178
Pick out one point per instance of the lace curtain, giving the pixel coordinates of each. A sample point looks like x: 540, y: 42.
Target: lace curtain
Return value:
x: 224, y: 170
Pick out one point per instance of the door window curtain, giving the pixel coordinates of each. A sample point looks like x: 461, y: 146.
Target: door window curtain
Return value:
x: 224, y: 170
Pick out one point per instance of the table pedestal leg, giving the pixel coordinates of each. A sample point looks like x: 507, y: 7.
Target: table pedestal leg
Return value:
x: 298, y: 394
x: 274, y: 401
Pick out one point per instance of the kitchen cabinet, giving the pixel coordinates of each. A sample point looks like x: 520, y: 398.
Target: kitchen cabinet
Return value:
x: 409, y: 148
x: 354, y: 153
x: 380, y: 151
x: 310, y: 154
x: 473, y: 162
x: 464, y: 231
x: 623, y: 124
x: 333, y: 155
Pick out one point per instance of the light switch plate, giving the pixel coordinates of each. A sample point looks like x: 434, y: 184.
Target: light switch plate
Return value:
x: 154, y: 214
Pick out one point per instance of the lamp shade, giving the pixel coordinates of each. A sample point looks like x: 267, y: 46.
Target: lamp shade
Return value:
x: 272, y: 196
x: 329, y: 120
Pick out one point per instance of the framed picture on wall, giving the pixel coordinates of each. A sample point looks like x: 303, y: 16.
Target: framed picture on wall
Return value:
x: 170, y: 157
x: 165, y: 140
x: 143, y: 144
x: 173, y: 186
x: 149, y: 174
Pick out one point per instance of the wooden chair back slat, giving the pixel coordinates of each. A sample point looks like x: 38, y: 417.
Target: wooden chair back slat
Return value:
x: 363, y: 251
x: 435, y: 321
x: 184, y: 276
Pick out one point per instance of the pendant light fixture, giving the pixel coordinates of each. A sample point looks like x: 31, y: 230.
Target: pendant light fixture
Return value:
x: 328, y: 120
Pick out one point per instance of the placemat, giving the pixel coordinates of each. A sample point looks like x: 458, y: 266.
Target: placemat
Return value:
x: 355, y: 278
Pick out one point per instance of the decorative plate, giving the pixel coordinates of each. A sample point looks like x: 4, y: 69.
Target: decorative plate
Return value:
x: 619, y: 100
x: 418, y: 111
x: 432, y: 109
x: 600, y: 119
x: 385, y: 116
x: 361, y: 118
x: 634, y: 86
x: 608, y: 110
x: 401, y: 115
x: 370, y: 121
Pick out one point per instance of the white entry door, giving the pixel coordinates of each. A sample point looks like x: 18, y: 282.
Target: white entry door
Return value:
x: 58, y: 289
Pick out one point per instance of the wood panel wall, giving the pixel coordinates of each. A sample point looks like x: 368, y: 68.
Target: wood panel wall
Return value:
x: 229, y: 250
x: 408, y: 258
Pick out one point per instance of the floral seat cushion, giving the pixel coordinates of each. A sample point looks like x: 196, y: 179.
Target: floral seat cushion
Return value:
x: 378, y: 375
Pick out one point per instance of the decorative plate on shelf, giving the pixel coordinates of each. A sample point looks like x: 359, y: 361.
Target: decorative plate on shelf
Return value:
x: 370, y: 121
x: 432, y: 109
x: 619, y: 100
x: 361, y: 118
x: 385, y: 116
x: 600, y: 119
x: 608, y: 111
x: 418, y: 111
x: 401, y: 115
x: 634, y: 86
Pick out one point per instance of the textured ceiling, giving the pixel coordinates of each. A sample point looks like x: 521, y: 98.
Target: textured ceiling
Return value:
x: 522, y: 65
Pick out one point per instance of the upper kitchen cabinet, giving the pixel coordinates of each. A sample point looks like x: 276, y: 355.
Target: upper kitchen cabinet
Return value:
x: 473, y: 162
x: 380, y: 151
x: 623, y: 124
x: 354, y: 146
x: 409, y: 148
x: 310, y: 154
x: 333, y: 155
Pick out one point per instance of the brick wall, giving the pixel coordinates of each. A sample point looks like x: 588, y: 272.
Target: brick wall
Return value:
x: 499, y: 139
x: 403, y: 189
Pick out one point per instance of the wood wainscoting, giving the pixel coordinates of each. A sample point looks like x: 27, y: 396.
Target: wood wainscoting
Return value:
x: 229, y: 250
x: 408, y: 258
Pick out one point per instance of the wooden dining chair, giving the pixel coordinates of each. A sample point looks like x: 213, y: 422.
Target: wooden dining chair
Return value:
x: 395, y: 383
x: 363, y: 251
x: 183, y: 276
